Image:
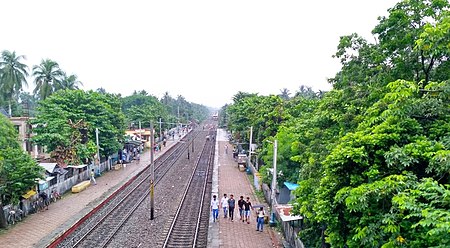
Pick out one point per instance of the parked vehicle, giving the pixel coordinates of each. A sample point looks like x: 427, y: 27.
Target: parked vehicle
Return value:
x: 242, y: 160
x: 54, y: 196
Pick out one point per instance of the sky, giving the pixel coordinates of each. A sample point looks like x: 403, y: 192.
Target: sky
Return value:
x: 206, y: 51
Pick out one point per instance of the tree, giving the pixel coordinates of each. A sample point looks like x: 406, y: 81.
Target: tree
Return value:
x: 12, y: 76
x: 305, y: 92
x: 62, y: 116
x: 101, y: 90
x: 68, y: 82
x: 47, y: 76
x: 18, y: 171
x: 398, y: 34
x: 141, y: 107
x: 27, y: 105
x: 284, y: 94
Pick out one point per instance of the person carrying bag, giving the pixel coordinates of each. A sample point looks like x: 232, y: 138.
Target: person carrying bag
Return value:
x: 260, y: 219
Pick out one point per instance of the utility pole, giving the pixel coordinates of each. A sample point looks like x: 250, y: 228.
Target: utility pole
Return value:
x: 152, y: 180
x: 160, y: 131
x: 98, y: 146
x: 274, y: 181
x: 178, y: 118
x: 188, y: 147
x: 140, y: 131
x: 250, y: 145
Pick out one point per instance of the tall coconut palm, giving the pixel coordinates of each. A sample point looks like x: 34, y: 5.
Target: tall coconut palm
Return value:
x: 46, y: 76
x: 285, y: 94
x: 68, y: 82
x: 12, y: 76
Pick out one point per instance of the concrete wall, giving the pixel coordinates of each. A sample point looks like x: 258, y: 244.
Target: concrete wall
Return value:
x: 62, y: 186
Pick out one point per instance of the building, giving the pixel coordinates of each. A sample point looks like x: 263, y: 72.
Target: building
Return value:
x: 24, y: 129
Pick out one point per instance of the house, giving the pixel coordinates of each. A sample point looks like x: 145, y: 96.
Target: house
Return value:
x: 53, y: 175
x: 24, y: 129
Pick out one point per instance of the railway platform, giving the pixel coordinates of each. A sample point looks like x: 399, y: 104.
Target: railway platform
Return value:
x: 227, y: 179
x: 38, y: 230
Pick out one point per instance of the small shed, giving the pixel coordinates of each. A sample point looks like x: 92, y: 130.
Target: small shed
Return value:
x: 286, y: 192
x: 52, y: 174
x: 77, y: 171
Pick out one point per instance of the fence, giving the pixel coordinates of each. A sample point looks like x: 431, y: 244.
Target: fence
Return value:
x: 289, y: 231
x: 63, y: 185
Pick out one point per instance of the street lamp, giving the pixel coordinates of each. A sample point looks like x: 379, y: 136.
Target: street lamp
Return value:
x: 274, y: 182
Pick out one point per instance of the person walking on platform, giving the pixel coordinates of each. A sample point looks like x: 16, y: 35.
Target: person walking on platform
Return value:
x: 247, y: 207
x: 226, y: 149
x: 241, y: 208
x: 260, y: 219
x: 93, y: 177
x: 224, y: 204
x: 231, y: 205
x: 215, y: 208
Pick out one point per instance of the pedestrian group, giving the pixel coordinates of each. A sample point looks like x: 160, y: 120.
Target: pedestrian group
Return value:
x: 228, y: 207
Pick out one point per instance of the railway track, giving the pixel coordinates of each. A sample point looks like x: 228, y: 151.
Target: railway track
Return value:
x: 98, y: 227
x: 188, y: 225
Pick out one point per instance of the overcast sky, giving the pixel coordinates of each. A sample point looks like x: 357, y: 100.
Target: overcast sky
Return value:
x: 206, y: 51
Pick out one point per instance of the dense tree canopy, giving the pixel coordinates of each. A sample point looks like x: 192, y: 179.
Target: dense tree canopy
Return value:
x: 18, y: 171
x: 142, y: 107
x: 65, y: 113
x: 371, y: 155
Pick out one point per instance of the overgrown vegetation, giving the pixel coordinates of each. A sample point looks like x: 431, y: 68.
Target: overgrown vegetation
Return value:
x: 371, y: 156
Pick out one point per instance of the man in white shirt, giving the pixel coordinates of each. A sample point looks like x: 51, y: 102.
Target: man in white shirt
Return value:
x: 215, y: 208
x: 224, y: 204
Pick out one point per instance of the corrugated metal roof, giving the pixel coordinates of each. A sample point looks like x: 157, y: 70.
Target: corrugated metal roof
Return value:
x: 290, y: 186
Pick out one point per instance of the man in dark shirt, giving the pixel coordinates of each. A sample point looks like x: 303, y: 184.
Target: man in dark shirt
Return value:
x: 44, y: 197
x: 247, y: 207
x: 231, y: 205
x: 241, y: 208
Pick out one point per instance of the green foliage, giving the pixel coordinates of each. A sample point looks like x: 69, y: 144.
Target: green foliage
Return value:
x: 18, y: 171
x: 47, y: 77
x: 144, y: 108
x: 141, y: 107
x: 264, y: 113
x: 426, y: 208
x: 13, y: 75
x: 66, y: 111
x: 371, y: 156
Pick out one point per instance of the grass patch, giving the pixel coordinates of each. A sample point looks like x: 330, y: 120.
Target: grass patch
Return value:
x: 259, y: 193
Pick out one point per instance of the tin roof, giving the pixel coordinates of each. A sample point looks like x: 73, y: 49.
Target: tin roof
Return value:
x: 290, y: 186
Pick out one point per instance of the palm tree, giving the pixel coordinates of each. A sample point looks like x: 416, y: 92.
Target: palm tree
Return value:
x: 101, y: 90
x: 12, y: 75
x: 46, y: 76
x: 285, y: 94
x: 68, y: 82
x: 241, y: 95
x: 306, y: 92
x: 166, y: 98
